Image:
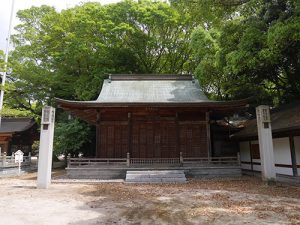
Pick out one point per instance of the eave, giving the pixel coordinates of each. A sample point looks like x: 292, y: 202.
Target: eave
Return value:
x: 87, y: 110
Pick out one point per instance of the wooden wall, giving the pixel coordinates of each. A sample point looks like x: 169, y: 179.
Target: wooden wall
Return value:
x: 152, y: 135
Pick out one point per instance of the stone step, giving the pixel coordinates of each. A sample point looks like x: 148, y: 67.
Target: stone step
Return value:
x: 155, y: 176
x: 154, y: 171
x: 156, y: 180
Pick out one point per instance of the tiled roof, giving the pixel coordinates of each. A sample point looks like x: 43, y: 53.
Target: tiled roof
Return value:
x: 151, y: 89
x: 11, y: 125
x: 285, y: 118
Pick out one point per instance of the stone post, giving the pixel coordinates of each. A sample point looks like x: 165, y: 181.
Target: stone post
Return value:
x: 68, y: 160
x: 12, y: 158
x: 46, y: 147
x: 181, y: 159
x: 29, y: 158
x: 128, y: 159
x: 265, y: 143
x: 4, y: 159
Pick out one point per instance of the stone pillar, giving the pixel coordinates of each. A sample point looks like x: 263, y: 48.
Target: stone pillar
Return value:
x: 46, y: 147
x: 29, y: 158
x: 265, y: 143
x: 4, y: 159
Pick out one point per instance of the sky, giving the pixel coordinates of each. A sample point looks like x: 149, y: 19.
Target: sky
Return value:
x: 5, y: 9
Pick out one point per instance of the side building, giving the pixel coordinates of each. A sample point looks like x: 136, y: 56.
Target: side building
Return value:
x: 285, y: 124
x: 17, y: 134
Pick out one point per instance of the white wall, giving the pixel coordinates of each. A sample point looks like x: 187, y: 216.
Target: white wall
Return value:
x: 282, y: 155
x: 245, y: 155
x: 297, y: 149
x: 245, y: 151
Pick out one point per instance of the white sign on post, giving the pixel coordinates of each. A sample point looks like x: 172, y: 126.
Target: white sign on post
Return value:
x: 19, y: 156
x: 19, y: 159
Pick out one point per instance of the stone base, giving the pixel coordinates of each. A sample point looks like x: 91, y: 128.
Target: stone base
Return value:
x: 155, y: 176
x: 120, y: 173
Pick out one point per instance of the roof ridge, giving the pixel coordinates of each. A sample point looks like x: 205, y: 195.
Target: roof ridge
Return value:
x: 150, y: 77
x: 17, y: 118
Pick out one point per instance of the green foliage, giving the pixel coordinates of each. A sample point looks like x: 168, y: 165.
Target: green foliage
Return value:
x: 1, y: 60
x: 254, y: 54
x: 35, y: 148
x: 70, y: 136
x: 68, y: 54
x: 11, y: 112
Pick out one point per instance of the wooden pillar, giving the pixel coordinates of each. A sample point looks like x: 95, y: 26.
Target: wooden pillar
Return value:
x: 208, y: 134
x: 129, y: 132
x: 177, y: 134
x: 251, y: 160
x: 293, y: 156
x: 98, y: 134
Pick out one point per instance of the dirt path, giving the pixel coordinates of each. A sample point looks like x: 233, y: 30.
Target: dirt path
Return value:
x: 242, y: 201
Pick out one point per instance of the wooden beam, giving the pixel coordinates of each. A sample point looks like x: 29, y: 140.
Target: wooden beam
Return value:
x: 293, y: 155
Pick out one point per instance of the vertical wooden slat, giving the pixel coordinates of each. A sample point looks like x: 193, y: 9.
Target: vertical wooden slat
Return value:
x: 293, y: 155
x: 207, y: 117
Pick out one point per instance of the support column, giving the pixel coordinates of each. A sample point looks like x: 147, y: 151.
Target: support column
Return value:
x: 251, y: 160
x: 46, y: 147
x: 208, y: 134
x: 4, y: 159
x: 129, y: 132
x: 98, y: 134
x: 177, y: 135
x: 293, y: 156
x: 265, y: 143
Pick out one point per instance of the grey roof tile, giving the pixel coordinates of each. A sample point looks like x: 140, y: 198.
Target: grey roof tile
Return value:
x: 151, y: 91
x: 11, y: 125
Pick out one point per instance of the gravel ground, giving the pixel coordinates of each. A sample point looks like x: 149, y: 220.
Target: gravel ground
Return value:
x: 239, y: 201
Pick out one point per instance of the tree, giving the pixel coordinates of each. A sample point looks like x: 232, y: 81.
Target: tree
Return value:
x: 70, y: 137
x: 256, y: 53
x: 67, y: 54
x: 1, y: 60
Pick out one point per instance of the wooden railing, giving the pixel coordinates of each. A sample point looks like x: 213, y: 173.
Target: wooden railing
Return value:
x: 212, y: 160
x: 144, y: 161
x: 9, y: 161
x: 79, y: 162
x: 180, y: 161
